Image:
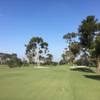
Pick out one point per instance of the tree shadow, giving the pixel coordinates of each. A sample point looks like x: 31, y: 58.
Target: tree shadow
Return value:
x: 95, y: 77
x: 83, y: 70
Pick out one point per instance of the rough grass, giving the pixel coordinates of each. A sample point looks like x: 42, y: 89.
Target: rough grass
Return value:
x: 55, y: 83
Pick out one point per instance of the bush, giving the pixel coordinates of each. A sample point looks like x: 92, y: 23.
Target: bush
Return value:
x: 15, y: 62
x: 92, y: 63
x: 62, y: 62
x: 83, y: 62
x: 25, y: 63
x: 19, y: 62
x: 49, y: 63
x: 54, y: 63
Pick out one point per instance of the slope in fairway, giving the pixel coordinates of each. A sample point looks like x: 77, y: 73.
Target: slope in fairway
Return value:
x: 57, y: 83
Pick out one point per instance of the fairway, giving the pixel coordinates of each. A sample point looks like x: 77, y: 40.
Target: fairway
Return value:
x: 55, y: 83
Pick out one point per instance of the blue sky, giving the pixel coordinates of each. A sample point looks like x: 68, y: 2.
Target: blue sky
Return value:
x: 51, y: 19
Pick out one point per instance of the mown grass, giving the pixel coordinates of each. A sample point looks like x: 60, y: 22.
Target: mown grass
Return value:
x: 55, y: 83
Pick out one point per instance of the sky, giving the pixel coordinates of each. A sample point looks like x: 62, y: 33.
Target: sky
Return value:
x: 20, y: 20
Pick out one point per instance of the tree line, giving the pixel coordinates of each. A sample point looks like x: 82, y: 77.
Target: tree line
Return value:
x: 83, y: 47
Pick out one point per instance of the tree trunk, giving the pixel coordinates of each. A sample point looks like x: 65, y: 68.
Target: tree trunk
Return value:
x: 98, y: 64
x: 38, y: 59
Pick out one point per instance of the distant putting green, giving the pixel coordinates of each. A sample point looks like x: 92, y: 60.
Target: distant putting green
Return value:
x: 55, y: 83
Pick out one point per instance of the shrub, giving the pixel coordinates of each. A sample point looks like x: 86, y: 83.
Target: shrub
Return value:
x: 14, y: 62
x: 62, y: 62
x: 49, y: 63
x: 54, y: 63
x: 25, y: 63
x: 19, y: 62
x: 83, y: 62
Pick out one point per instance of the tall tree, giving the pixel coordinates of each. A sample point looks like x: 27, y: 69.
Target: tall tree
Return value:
x: 89, y: 35
x: 87, y: 30
x: 35, y: 49
x: 95, y: 51
x: 73, y: 45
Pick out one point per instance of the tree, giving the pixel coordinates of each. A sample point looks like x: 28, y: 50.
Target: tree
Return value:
x: 87, y: 31
x: 97, y: 51
x: 73, y: 45
x: 90, y: 38
x: 49, y: 58
x: 14, y: 62
x: 68, y: 57
x: 70, y: 37
x: 35, y: 49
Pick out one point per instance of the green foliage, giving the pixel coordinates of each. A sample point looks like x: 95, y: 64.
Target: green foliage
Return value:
x: 70, y: 37
x: 79, y: 62
x: 74, y: 47
x: 97, y: 46
x: 67, y: 57
x: 14, y: 62
x: 44, y: 45
x: 19, y: 62
x: 25, y: 63
x: 87, y: 31
x: 89, y: 36
x: 62, y: 62
x: 82, y: 62
x: 36, y: 40
x: 36, y: 48
x: 54, y: 63
x: 49, y: 58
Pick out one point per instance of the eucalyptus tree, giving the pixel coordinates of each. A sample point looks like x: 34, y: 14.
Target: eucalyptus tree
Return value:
x: 68, y: 57
x: 36, y: 49
x: 70, y: 37
x: 49, y: 58
x: 73, y: 44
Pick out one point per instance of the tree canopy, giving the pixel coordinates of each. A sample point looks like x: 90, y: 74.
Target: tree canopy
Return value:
x: 89, y: 39
x: 36, y: 49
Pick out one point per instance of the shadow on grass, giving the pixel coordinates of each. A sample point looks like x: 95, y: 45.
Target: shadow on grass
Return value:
x: 95, y: 77
x: 83, y: 70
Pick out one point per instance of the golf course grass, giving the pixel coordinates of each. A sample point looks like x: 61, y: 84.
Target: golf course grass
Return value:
x: 53, y: 83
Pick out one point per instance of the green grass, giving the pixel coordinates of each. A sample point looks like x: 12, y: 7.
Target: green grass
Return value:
x: 55, y: 83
